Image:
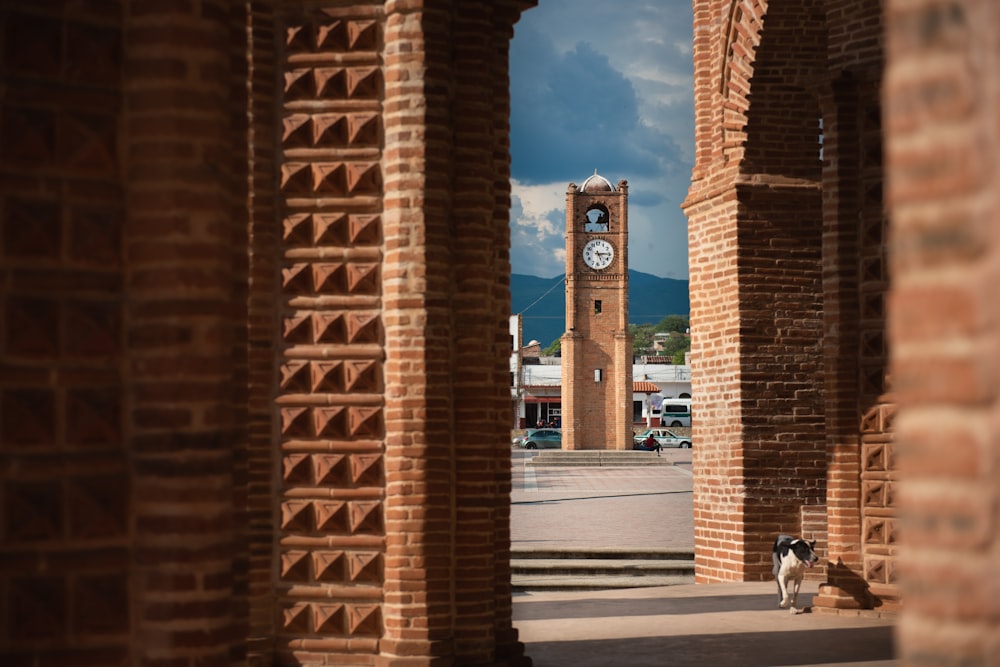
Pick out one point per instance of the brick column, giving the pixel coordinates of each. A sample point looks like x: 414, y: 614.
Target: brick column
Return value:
x: 841, y: 341
x: 712, y: 207
x: 416, y: 562
x: 330, y: 513
x: 942, y: 123
x: 475, y: 317
x: 178, y: 242
x: 620, y: 435
x: 65, y: 528
x: 507, y: 646
x: 715, y: 384
x: 446, y: 585
x: 755, y: 246
x: 261, y: 324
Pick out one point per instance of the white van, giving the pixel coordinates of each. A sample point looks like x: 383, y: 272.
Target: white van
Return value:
x: 675, y: 412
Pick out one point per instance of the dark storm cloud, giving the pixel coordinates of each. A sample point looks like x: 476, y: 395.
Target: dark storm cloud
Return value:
x: 607, y: 86
x: 573, y: 112
x: 645, y: 197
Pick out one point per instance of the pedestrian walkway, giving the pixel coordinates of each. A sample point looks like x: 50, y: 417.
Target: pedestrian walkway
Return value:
x: 694, y: 625
x: 737, y: 624
x: 599, y: 508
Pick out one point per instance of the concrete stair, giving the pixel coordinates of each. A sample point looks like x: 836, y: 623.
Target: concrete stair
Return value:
x: 597, y: 458
x: 578, y: 570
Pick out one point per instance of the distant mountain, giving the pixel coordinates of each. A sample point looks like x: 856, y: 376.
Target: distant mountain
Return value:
x: 542, y: 302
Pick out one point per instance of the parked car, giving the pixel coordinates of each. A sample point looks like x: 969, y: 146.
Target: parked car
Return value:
x: 675, y: 412
x: 540, y: 438
x: 664, y: 436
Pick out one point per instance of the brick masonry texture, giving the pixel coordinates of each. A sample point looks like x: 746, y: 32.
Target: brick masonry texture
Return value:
x: 776, y: 285
x: 254, y: 285
x: 597, y: 414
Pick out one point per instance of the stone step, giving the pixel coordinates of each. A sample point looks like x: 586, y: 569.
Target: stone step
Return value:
x: 599, y: 570
x: 523, y: 583
x: 597, y: 458
x: 602, y: 553
x: 592, y: 566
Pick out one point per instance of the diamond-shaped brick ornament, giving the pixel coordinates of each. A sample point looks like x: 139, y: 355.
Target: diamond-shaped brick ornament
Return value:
x: 363, y: 619
x: 328, y: 566
x: 295, y: 566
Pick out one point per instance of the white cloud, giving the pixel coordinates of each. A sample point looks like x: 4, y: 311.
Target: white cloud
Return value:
x: 538, y: 202
x: 538, y: 228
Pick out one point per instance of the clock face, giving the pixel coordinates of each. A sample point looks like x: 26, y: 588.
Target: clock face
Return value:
x: 598, y: 254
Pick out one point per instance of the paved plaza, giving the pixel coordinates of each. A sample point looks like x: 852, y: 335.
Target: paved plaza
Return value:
x: 693, y: 625
x: 594, y: 508
x: 650, y: 507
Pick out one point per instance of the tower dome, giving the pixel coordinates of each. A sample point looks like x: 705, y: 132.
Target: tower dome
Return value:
x: 596, y: 184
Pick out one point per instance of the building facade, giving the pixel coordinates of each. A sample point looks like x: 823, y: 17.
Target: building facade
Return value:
x: 254, y: 382
x: 536, y: 386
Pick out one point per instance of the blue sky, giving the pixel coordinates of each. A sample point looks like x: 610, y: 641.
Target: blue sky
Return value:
x: 603, y: 85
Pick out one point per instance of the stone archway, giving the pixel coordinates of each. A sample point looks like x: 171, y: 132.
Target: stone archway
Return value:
x: 784, y: 173
x: 188, y: 481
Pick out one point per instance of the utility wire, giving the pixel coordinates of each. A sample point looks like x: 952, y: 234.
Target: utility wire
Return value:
x: 562, y: 279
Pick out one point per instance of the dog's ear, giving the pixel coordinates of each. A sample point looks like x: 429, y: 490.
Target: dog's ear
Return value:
x: 812, y: 544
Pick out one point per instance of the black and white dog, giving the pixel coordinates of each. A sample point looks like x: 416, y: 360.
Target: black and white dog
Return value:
x: 791, y: 556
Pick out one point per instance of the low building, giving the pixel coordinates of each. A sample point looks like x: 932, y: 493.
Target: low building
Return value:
x: 536, y: 385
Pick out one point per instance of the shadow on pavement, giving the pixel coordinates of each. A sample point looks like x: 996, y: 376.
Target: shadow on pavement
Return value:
x: 751, y: 649
x: 526, y: 610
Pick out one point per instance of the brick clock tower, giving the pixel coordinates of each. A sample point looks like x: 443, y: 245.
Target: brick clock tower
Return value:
x: 597, y: 347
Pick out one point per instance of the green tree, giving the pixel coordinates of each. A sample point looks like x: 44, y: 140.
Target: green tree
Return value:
x: 678, y: 323
x: 553, y: 349
x: 676, y: 344
x: 642, y: 338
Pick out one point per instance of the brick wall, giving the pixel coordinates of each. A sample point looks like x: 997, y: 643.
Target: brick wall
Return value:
x: 331, y: 523
x: 788, y: 283
x: 264, y: 234
x: 597, y: 414
x: 123, y: 331
x: 755, y: 246
x: 841, y: 197
x: 942, y: 104
x: 65, y: 412
x: 179, y: 233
